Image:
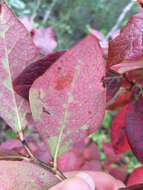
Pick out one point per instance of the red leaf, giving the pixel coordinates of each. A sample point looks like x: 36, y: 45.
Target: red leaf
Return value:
x: 134, y: 122
x: 128, y: 45
x: 136, y: 76
x: 121, y: 98
x: 70, y: 101
x: 118, y: 135
x: 16, y: 52
x: 16, y: 175
x: 44, y: 38
x: 136, y: 176
x: 113, y: 82
x: 24, y: 81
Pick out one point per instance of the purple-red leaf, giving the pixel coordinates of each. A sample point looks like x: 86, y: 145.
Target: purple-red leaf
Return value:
x: 129, y: 44
x: 24, y: 81
x: 112, y: 82
x: 92, y: 165
x: 16, y: 52
x: 134, y: 122
x: 68, y: 100
x: 118, y: 135
x: 136, y: 176
x: 70, y: 162
x: 16, y: 175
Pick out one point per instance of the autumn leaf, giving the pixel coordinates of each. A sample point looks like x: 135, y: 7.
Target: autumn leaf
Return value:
x: 16, y: 52
x: 17, y: 175
x: 25, y: 80
x: 128, y: 46
x: 112, y: 82
x: 117, y: 130
x: 134, y: 122
x: 44, y: 38
x: 68, y: 100
x: 136, y: 176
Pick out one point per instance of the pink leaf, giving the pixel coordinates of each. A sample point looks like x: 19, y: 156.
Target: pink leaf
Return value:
x: 91, y: 152
x: 27, y: 23
x: 118, y: 135
x: 16, y: 52
x: 128, y: 66
x: 97, y: 34
x: 44, y: 38
x: 109, y: 151
x: 69, y: 99
x: 16, y: 175
x: 92, y: 165
x: 119, y: 172
x: 69, y: 162
x: 128, y: 45
x: 134, y: 122
x: 24, y: 81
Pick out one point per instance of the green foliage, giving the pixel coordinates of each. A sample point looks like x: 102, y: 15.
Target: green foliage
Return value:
x: 71, y: 18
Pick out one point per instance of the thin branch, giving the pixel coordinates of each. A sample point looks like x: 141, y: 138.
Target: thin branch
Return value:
x: 127, y: 8
x: 35, y: 10
x: 36, y: 160
x: 48, y: 12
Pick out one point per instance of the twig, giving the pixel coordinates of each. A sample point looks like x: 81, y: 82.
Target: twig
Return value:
x: 35, y: 10
x: 48, y: 12
x: 36, y: 160
x: 120, y: 18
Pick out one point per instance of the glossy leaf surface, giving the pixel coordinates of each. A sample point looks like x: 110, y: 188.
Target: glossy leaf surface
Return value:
x: 69, y: 99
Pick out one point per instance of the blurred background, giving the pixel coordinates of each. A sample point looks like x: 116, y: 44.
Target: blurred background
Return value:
x: 71, y: 19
